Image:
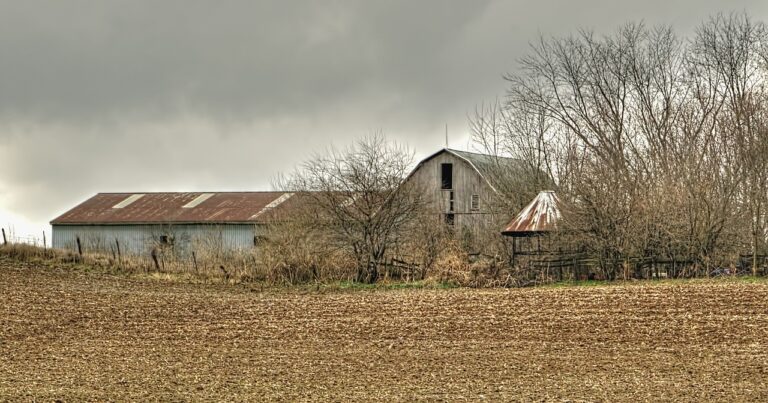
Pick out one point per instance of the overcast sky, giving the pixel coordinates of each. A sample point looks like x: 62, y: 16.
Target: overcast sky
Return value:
x: 99, y: 96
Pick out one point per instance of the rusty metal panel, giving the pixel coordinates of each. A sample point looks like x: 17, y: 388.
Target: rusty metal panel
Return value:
x: 540, y: 215
x: 152, y: 208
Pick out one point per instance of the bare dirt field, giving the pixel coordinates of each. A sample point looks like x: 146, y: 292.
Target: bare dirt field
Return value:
x: 70, y: 335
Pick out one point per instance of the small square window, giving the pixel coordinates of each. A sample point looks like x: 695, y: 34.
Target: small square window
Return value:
x: 166, y: 240
x: 475, y: 202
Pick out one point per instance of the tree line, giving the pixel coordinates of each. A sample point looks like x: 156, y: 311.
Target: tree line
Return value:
x: 658, y: 144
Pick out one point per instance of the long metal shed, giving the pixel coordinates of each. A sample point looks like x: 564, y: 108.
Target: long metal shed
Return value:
x: 135, y: 223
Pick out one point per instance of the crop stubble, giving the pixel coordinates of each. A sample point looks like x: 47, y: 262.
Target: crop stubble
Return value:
x: 70, y: 335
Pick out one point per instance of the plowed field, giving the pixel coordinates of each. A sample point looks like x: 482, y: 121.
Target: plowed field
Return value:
x: 73, y: 336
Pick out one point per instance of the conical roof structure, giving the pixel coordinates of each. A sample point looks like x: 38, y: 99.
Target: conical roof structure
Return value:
x: 540, y: 215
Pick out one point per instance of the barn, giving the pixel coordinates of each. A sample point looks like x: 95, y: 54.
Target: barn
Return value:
x: 136, y: 223
x: 459, y: 183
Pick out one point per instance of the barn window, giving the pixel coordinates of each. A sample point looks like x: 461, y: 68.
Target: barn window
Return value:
x: 446, y: 176
x: 450, y: 202
x: 450, y: 219
x: 475, y: 203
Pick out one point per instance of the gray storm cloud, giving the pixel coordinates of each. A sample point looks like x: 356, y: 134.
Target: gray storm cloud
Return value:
x: 223, y: 95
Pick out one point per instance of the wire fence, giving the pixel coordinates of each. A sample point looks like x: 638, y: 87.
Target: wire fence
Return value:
x: 9, y: 237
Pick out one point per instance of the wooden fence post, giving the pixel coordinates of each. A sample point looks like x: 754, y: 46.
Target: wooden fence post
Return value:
x: 119, y: 259
x: 44, y: 240
x: 5, y: 240
x: 79, y: 247
x: 154, y: 258
x: 514, y: 246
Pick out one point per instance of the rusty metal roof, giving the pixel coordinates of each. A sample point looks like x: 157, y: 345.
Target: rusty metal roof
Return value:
x: 173, y: 208
x: 540, y: 215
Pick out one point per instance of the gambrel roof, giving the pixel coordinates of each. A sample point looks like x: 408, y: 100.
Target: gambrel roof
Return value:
x: 488, y: 166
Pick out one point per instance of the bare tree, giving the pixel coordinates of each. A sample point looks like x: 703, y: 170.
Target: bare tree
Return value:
x: 730, y: 51
x: 523, y: 139
x: 359, y: 199
x: 294, y: 249
x: 657, y: 143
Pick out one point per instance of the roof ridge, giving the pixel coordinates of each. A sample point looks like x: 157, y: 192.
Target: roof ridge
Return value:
x: 195, y: 191
x: 482, y: 154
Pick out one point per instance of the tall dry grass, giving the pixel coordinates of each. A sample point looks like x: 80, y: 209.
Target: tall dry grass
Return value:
x: 233, y: 267
x: 281, y: 261
x: 289, y: 255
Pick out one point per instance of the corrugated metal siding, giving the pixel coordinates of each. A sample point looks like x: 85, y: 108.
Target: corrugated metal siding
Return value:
x: 140, y: 239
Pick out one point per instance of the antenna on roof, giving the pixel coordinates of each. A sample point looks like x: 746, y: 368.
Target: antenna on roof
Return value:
x: 446, y: 135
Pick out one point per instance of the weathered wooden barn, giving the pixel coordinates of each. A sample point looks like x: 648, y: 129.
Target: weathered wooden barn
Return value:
x: 135, y: 223
x: 460, y: 185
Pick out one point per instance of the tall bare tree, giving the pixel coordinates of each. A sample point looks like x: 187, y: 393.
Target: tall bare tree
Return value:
x: 730, y: 51
x: 657, y: 142
x: 359, y: 199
